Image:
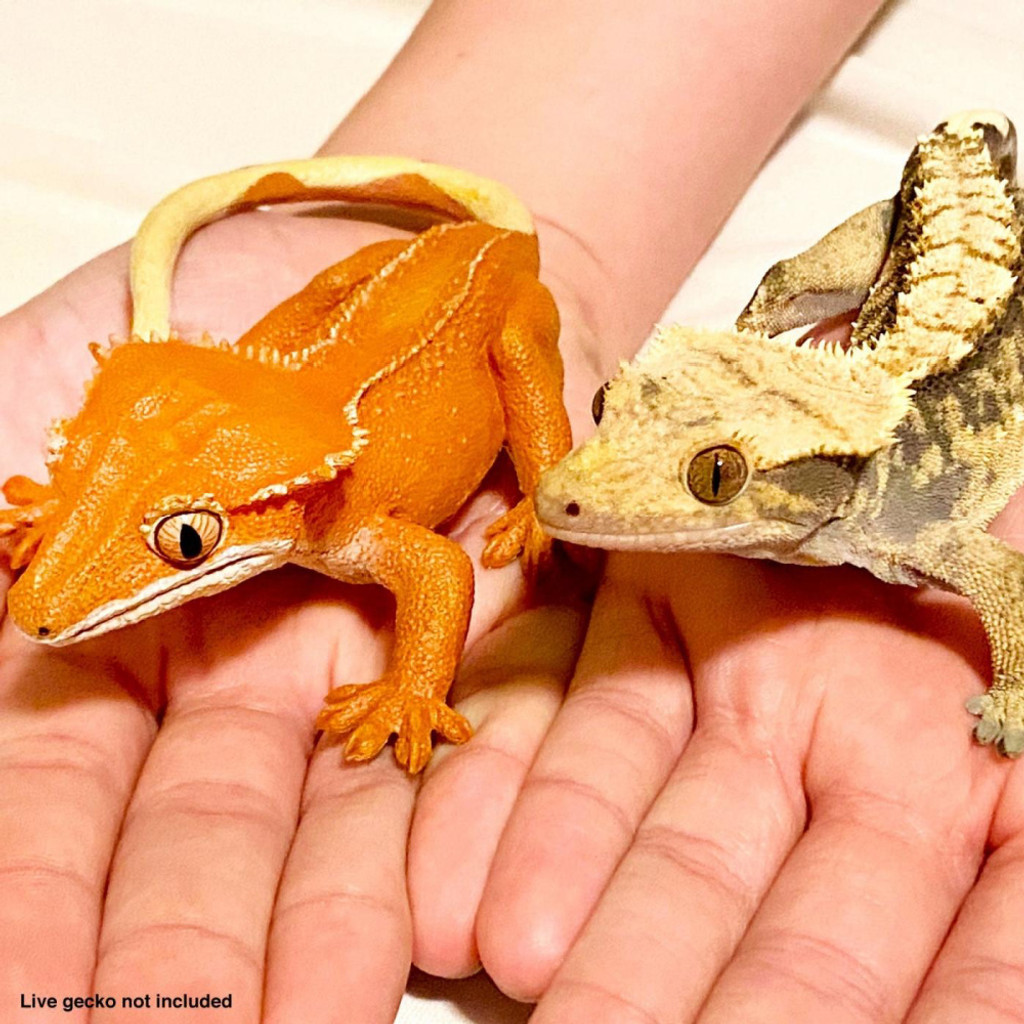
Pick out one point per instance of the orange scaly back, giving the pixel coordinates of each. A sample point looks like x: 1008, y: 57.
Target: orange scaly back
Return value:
x: 335, y: 434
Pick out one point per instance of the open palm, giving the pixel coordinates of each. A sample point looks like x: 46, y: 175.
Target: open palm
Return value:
x: 167, y: 824
x: 793, y: 840
x: 797, y: 838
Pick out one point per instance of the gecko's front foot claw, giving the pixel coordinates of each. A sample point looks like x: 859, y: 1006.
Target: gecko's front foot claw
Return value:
x: 1001, y: 711
x: 376, y: 712
x: 518, y: 533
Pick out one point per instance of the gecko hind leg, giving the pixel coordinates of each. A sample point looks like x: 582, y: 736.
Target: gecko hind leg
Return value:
x: 972, y: 562
x: 516, y: 534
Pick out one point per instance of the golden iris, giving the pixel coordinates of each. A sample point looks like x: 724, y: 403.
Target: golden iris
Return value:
x: 716, y: 475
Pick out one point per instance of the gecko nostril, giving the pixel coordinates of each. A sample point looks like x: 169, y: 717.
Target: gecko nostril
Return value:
x: 572, y: 509
x: 43, y: 631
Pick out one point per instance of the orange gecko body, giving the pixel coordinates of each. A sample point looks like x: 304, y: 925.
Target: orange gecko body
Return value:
x: 336, y: 434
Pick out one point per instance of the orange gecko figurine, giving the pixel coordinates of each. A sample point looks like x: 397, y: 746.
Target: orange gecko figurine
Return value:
x: 335, y: 434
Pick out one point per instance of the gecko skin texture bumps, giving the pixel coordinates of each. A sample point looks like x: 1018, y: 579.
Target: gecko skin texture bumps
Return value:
x: 892, y: 452
x: 335, y: 434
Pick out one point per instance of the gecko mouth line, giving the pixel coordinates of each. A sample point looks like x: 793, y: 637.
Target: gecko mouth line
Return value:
x: 625, y: 541
x: 105, y: 619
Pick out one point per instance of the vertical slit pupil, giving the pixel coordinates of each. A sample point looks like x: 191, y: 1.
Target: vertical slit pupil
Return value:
x: 716, y: 475
x: 190, y: 542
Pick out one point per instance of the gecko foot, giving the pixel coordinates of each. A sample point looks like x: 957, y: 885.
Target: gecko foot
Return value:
x: 518, y: 532
x: 26, y: 523
x: 376, y: 712
x: 1001, y: 711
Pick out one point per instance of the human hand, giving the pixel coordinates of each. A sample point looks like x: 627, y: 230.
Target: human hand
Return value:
x: 168, y: 824
x: 800, y: 840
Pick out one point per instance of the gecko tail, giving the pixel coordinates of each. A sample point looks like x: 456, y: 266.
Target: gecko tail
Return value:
x: 380, y: 180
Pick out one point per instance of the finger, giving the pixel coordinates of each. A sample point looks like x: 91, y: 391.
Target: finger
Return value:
x: 514, y: 680
x: 896, y: 837
x: 510, y: 685
x: 848, y: 929
x: 714, y: 839
x: 713, y: 843
x: 680, y: 900
x: 193, y: 881
x: 978, y: 975
x: 606, y: 756
x: 347, y: 866
x: 209, y: 825
x: 71, y: 742
x: 341, y: 932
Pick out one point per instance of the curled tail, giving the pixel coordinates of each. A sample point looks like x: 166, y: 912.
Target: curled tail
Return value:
x: 391, y: 181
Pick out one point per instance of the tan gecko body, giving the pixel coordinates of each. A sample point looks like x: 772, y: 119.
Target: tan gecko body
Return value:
x: 336, y: 434
x: 893, y: 452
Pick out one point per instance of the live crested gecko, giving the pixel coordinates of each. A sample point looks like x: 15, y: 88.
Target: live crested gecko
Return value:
x: 892, y: 453
x: 335, y: 434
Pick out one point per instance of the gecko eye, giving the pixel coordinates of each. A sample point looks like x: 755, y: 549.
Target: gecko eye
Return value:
x: 187, y: 538
x: 715, y: 475
x: 597, y: 405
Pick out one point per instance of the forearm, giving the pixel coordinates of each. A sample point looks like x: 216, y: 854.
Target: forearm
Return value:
x: 629, y: 133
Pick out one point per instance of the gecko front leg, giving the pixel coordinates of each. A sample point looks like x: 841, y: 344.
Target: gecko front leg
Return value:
x: 26, y: 523
x: 990, y: 573
x: 528, y: 372
x: 432, y: 580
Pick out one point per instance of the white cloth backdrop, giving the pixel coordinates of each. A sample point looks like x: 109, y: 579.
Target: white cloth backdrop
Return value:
x: 106, y: 106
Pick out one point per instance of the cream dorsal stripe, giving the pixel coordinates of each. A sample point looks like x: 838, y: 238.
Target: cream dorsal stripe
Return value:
x: 709, y: 441
x: 350, y: 178
x: 964, y: 271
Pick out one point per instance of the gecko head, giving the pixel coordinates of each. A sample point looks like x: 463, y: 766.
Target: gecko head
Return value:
x: 170, y: 487
x: 722, y: 441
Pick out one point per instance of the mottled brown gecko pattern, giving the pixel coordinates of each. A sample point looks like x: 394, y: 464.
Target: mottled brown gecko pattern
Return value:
x: 893, y: 452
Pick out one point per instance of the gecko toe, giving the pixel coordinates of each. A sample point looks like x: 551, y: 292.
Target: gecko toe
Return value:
x: 1011, y: 743
x: 517, y: 533
x: 366, y: 742
x: 979, y: 704
x: 1001, y: 714
x: 986, y: 731
x: 346, y: 706
x: 452, y: 726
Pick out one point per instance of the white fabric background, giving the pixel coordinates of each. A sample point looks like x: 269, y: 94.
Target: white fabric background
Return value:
x: 107, y: 105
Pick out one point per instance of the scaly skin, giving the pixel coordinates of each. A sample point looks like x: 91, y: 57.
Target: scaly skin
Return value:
x: 335, y: 434
x: 892, y: 452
